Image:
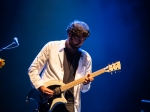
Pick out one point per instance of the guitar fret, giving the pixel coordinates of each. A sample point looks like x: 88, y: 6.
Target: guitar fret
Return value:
x: 79, y: 81
x: 99, y: 72
x: 72, y: 84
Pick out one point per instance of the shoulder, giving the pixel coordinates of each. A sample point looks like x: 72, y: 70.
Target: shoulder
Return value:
x: 85, y: 54
x: 55, y: 43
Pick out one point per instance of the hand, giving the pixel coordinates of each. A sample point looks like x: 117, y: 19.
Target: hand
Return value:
x: 47, y: 93
x: 89, y: 78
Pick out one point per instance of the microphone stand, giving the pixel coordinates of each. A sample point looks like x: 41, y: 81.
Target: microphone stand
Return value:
x: 7, y: 47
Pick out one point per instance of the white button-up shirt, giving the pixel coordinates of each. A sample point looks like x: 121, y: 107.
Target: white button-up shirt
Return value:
x: 49, y: 63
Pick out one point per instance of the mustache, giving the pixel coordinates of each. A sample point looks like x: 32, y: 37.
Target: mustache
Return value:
x: 75, y: 46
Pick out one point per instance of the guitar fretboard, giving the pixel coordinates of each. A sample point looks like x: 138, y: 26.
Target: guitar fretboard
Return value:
x: 79, y: 81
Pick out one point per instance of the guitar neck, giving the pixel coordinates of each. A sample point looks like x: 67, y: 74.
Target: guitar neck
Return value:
x: 81, y: 80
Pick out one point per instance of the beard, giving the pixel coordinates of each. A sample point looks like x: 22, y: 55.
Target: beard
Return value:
x: 73, y: 46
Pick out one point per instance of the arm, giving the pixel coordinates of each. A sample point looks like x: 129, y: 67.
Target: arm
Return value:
x: 35, y: 70
x: 37, y: 66
x: 86, y: 85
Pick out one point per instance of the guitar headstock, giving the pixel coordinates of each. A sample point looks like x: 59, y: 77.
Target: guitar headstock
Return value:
x: 113, y: 67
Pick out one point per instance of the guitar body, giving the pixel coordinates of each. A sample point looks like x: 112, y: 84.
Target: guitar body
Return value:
x: 59, y: 87
x: 51, y: 102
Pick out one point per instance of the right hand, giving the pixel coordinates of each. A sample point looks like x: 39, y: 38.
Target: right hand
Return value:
x: 47, y: 93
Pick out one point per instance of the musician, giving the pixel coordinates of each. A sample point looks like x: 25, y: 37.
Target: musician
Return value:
x: 64, y: 61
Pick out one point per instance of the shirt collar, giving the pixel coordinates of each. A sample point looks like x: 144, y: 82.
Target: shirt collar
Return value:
x: 62, y: 45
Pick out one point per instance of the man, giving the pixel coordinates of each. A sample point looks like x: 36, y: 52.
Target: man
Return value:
x: 64, y: 60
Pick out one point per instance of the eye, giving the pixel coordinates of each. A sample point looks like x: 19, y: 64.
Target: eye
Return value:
x: 77, y: 38
x: 80, y: 38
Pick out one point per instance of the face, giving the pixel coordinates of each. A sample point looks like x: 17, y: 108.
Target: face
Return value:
x: 76, y: 42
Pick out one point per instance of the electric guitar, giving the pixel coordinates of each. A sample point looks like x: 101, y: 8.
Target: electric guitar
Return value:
x: 59, y: 87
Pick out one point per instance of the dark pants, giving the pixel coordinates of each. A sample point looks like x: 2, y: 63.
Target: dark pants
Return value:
x: 68, y: 107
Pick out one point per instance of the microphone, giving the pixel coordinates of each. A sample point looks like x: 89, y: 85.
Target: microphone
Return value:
x: 16, y: 41
x: 9, y: 46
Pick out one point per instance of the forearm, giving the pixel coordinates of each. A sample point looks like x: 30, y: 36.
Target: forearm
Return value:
x: 87, y: 83
x: 35, y: 78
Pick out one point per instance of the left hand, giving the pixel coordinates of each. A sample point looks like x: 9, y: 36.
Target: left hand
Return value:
x: 89, y: 78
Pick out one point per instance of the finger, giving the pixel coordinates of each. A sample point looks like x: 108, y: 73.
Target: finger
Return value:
x: 86, y: 78
x: 89, y: 75
x: 91, y: 78
x: 85, y: 82
x: 49, y: 93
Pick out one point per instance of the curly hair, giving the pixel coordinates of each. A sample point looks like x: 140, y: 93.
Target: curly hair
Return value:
x: 78, y: 28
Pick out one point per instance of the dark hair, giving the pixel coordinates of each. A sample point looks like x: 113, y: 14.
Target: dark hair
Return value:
x: 78, y: 28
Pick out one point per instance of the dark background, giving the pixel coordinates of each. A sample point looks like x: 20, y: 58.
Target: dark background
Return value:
x: 120, y: 31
